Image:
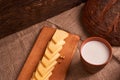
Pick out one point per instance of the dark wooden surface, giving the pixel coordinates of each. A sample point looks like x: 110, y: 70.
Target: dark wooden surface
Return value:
x: 15, y: 48
x: 16, y: 15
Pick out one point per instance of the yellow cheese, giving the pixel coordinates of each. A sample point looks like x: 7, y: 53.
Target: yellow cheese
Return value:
x: 61, y: 42
x: 46, y: 62
x: 38, y: 76
x: 54, y: 47
x: 59, y: 35
x: 33, y: 78
x: 42, y: 70
x: 46, y: 76
x: 49, y: 55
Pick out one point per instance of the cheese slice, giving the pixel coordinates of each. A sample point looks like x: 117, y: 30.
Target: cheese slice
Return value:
x: 48, y: 74
x: 33, y: 78
x: 37, y: 76
x: 50, y: 55
x: 59, y: 35
x: 42, y: 70
x: 61, y: 42
x: 47, y: 77
x: 46, y: 62
x: 54, y: 47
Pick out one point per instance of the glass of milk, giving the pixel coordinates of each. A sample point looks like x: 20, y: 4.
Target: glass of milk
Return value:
x: 95, y: 53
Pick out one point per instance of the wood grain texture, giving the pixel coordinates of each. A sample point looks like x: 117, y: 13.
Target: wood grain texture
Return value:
x: 14, y: 49
x: 16, y: 15
x: 60, y: 71
x: 37, y: 52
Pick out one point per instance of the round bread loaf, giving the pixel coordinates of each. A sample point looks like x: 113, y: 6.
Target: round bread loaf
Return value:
x: 102, y: 18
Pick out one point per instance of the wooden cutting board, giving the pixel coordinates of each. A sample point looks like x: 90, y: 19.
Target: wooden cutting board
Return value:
x: 37, y: 52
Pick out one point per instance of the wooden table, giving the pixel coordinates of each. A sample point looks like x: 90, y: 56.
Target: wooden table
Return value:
x: 15, y: 48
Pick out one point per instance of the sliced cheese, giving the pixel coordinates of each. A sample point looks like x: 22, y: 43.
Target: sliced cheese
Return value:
x: 54, y: 47
x: 61, y: 42
x: 59, y: 35
x: 37, y: 76
x: 47, y: 77
x: 33, y: 78
x: 49, y: 55
x: 49, y: 60
x: 48, y: 74
x: 46, y: 62
x: 42, y: 70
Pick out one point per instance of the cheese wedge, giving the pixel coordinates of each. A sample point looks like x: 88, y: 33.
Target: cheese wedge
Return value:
x: 42, y: 70
x: 47, y: 62
x: 53, y: 47
x: 59, y: 35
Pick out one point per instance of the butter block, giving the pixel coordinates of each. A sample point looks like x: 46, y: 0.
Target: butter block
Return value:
x: 46, y: 62
x: 59, y: 35
x: 42, y: 70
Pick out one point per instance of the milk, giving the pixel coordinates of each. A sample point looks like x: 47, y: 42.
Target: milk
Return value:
x: 95, y: 52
